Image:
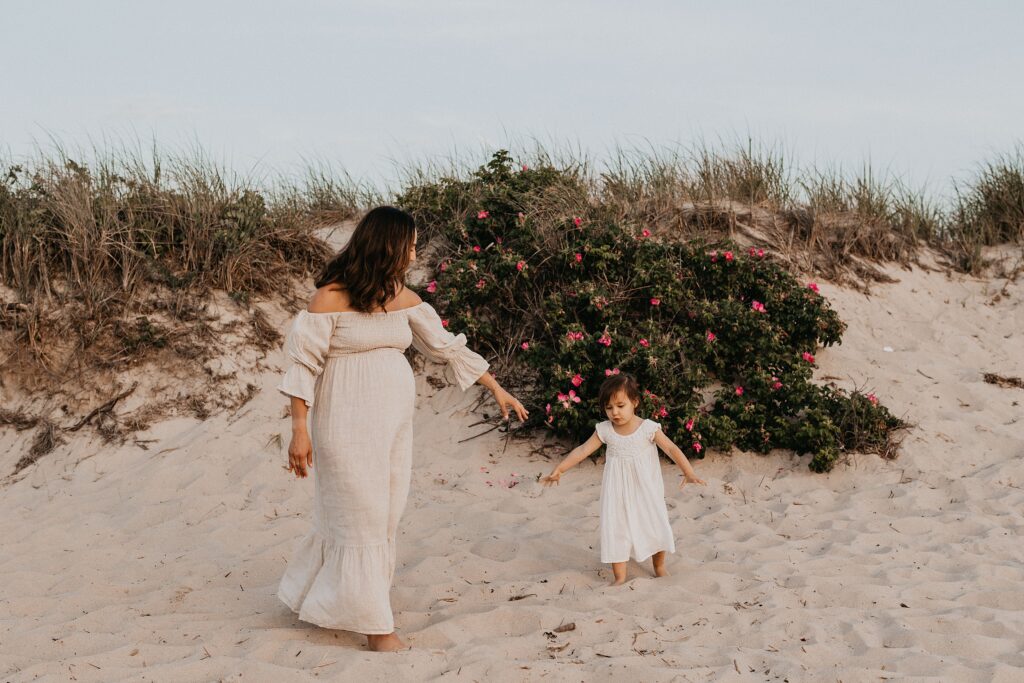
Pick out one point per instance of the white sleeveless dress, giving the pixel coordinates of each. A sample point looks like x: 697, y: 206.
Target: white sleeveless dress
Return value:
x: 634, y: 519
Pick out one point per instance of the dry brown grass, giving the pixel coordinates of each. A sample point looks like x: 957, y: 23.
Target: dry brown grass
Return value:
x: 113, y: 264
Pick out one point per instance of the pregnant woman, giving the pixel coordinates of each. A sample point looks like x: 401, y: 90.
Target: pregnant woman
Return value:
x: 349, y: 373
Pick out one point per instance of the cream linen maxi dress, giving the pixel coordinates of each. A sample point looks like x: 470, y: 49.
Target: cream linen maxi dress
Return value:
x: 349, y: 367
x: 634, y: 519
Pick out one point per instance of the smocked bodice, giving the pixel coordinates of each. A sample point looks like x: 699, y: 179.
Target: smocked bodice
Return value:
x: 316, y: 337
x: 638, y: 444
x: 361, y: 332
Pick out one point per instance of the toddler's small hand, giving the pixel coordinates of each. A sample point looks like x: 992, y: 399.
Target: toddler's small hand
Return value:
x: 687, y: 479
x: 552, y: 478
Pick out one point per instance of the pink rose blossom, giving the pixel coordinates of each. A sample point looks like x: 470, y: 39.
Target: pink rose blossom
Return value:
x: 482, y: 214
x: 689, y: 425
x: 432, y: 287
x: 525, y: 167
x: 547, y: 409
x: 760, y: 253
x: 758, y: 306
x: 753, y: 251
x: 813, y: 286
x: 662, y: 412
x: 444, y: 323
x: 444, y: 266
x: 577, y: 380
x: 807, y: 357
x: 476, y: 248
x: 573, y: 397
x: 574, y: 336
x: 739, y: 391
x: 697, y: 447
x: 776, y: 384
x: 644, y: 343
x: 655, y: 301
x: 480, y: 283
x: 711, y: 336
x: 605, y: 339
x: 728, y: 256
x: 520, y: 266
x: 609, y: 373
x: 714, y: 256
x: 577, y: 221
x: 645, y: 233
x: 579, y: 257
x: 525, y: 346
x: 873, y: 399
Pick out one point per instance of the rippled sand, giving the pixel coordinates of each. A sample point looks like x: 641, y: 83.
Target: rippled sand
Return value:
x: 161, y: 564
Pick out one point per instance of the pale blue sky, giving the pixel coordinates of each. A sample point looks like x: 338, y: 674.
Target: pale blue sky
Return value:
x: 924, y: 89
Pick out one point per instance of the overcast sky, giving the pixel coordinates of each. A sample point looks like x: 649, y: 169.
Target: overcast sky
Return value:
x: 923, y: 89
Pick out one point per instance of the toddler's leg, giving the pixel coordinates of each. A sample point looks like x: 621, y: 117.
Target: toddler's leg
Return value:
x: 619, y: 570
x: 659, y: 564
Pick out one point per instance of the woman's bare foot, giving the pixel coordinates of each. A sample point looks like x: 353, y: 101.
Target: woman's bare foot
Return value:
x: 659, y: 564
x: 385, y: 643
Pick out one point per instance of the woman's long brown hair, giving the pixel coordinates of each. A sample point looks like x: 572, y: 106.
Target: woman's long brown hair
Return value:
x: 372, y: 265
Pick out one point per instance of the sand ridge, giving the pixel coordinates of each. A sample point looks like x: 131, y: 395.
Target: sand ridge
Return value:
x: 161, y: 564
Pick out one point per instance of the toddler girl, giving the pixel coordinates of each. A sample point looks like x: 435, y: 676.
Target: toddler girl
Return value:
x: 634, y: 519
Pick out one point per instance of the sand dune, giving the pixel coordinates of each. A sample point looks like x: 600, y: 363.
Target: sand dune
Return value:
x: 161, y: 564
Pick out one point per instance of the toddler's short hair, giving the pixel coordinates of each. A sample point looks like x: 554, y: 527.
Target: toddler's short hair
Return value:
x: 614, y: 385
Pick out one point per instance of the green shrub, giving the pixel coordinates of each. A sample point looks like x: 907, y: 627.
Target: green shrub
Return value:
x: 565, y: 298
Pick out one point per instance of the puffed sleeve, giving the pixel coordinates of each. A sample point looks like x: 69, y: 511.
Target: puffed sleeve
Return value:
x: 652, y: 429
x: 601, y: 430
x: 435, y: 342
x: 305, y: 348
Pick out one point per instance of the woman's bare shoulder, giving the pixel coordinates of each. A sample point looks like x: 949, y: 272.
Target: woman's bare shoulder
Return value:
x: 406, y: 298
x: 329, y: 299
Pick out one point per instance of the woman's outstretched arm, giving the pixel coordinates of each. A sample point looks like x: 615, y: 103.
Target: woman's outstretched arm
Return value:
x: 505, y: 400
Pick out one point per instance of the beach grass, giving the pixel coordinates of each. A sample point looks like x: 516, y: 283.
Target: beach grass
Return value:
x: 110, y: 256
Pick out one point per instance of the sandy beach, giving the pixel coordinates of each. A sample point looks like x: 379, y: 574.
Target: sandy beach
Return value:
x: 161, y: 563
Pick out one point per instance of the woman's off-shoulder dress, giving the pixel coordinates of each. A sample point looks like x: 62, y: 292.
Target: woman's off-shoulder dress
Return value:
x: 350, y: 369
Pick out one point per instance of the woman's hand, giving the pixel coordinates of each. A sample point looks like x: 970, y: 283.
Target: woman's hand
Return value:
x: 300, y: 454
x: 691, y: 479
x: 506, y: 401
x: 552, y: 478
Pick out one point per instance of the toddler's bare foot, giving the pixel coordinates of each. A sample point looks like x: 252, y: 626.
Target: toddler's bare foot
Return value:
x: 385, y: 643
x: 618, y: 582
x: 658, y: 562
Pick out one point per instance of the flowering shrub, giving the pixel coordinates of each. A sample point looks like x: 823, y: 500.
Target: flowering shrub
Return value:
x: 545, y: 278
